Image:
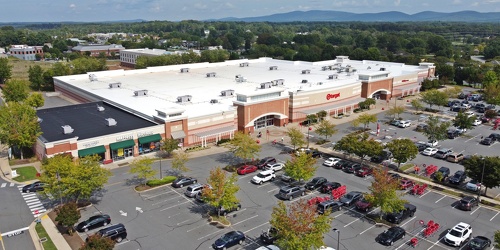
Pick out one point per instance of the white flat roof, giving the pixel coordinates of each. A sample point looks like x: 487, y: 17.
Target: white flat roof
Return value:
x: 166, y: 83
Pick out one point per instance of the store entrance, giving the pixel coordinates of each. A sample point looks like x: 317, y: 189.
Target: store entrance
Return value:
x: 265, y: 121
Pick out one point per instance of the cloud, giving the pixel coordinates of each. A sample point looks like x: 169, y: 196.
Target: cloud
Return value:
x: 397, y: 2
x: 72, y: 6
x: 200, y: 6
x: 475, y: 4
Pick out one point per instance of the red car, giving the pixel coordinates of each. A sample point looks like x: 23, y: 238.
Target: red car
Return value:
x: 364, y: 171
x: 363, y: 205
x: 406, y: 184
x: 247, y: 169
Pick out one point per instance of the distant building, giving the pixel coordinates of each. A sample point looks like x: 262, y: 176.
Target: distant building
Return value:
x: 96, y: 50
x: 25, y: 52
x: 2, y: 53
x: 128, y: 57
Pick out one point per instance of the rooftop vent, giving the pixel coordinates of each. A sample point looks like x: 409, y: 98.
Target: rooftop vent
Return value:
x: 228, y: 92
x: 334, y: 76
x: 273, y: 67
x: 324, y: 68
x: 39, y: 120
x: 382, y: 69
x: 278, y: 82
x: 100, y: 108
x: 214, y: 101
x: 244, y: 64
x: 143, y: 92
x: 304, y: 81
x: 211, y: 74
x: 110, y: 122
x: 320, y: 83
x: 115, y: 85
x: 265, y: 85
x: 240, y: 78
x: 67, y: 129
x: 306, y: 71
x: 184, y: 98
x: 184, y: 70
x: 92, y: 77
x: 369, y: 67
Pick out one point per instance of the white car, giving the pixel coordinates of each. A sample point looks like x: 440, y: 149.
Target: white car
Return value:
x: 469, y: 114
x: 432, y: 143
x: 461, y: 130
x: 473, y: 185
x: 263, y: 176
x: 275, y: 167
x: 404, y: 124
x: 458, y: 235
x: 430, y: 151
x: 466, y: 105
x: 268, y: 247
x: 476, y: 122
x: 331, y: 161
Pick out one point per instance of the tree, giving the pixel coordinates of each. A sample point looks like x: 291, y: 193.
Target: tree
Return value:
x: 96, y: 242
x: 395, y: 111
x: 383, y: 192
x: 299, y: 226
x: 223, y: 191
x: 179, y: 160
x: 321, y: 115
x: 297, y: 138
x: 365, y: 119
x: 474, y: 169
x: 367, y: 103
x: 402, y: 150
x: 417, y: 105
x: 35, y: 100
x: 452, y: 92
x: 301, y: 167
x: 5, y: 70
x: 168, y: 145
x: 15, y: 90
x: 243, y: 146
x: 325, y: 128
x: 492, y: 94
x: 143, y: 168
x: 434, y: 97
x: 497, y: 239
x: 310, y: 119
x: 490, y: 78
x: 35, y: 75
x: 67, y: 215
x: 463, y: 121
x: 19, y: 126
x: 347, y: 144
x: 364, y: 147
x: 436, y: 130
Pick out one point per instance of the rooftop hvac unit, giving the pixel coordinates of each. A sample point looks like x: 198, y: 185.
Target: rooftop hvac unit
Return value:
x: 115, y: 85
x: 334, y: 76
x: 214, y: 101
x: 369, y: 67
x: 67, y: 129
x: 382, y: 69
x: 265, y: 85
x: 211, y: 74
x: 306, y: 71
x: 244, y: 64
x: 304, y: 81
x: 273, y: 67
x: 92, y: 77
x: 240, y: 78
x: 110, y: 122
x: 184, y: 70
x: 100, y: 108
x: 228, y: 92
x: 184, y: 98
x: 324, y: 68
x: 143, y: 92
x: 278, y: 82
x: 320, y: 83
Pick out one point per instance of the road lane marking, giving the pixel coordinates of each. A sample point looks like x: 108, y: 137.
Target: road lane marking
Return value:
x: 494, y: 216
x: 424, y: 194
x: 255, y: 227
x: 115, y: 183
x: 367, y: 229
x: 3, y: 185
x: 272, y: 190
x: 15, y: 231
x: 197, y: 227
x: 263, y: 185
x: 441, y: 199
x: 174, y: 206
x: 224, y: 228
x: 475, y: 210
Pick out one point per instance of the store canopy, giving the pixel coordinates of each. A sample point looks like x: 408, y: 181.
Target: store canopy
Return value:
x: 122, y: 144
x: 178, y: 134
x: 216, y: 131
x: 150, y: 138
x: 91, y: 151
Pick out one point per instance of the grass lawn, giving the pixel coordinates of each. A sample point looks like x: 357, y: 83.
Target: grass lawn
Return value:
x: 47, y: 245
x: 27, y: 173
x: 20, y: 67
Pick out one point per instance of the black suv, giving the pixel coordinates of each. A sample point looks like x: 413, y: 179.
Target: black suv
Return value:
x: 315, y: 183
x: 223, y: 211
x: 452, y: 134
x: 398, y: 217
x: 458, y: 177
x: 93, y: 222
x: 269, y: 236
x: 116, y: 232
x: 266, y: 160
x: 468, y: 202
x: 314, y: 153
x: 445, y: 172
x: 34, y: 187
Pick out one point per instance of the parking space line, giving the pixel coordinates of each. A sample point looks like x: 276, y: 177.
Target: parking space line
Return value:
x: 435, y: 243
x: 263, y: 185
x: 476, y: 209
x: 224, y: 228
x: 494, y: 216
x: 353, y: 221
x: 367, y: 229
x: 441, y: 198
x: 256, y: 227
x: 272, y: 190
x: 123, y: 242
x: 412, y: 218
x: 174, y: 205
x: 152, y: 196
x: 183, y: 221
x: 245, y: 176
x: 197, y: 227
x: 424, y: 194
x: 154, y: 204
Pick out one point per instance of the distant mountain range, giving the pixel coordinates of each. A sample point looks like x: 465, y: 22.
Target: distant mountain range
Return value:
x: 392, y: 16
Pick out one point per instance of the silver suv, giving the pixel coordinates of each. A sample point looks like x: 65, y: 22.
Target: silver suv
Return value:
x: 194, y: 189
x: 443, y: 153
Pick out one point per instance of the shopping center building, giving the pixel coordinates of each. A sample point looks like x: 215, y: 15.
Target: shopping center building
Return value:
x: 204, y: 102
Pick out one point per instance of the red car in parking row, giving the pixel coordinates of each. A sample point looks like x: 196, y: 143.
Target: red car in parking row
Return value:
x: 406, y: 184
x: 364, y: 171
x: 246, y: 169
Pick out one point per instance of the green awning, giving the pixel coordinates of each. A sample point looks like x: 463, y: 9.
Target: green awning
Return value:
x: 122, y: 144
x: 91, y: 151
x: 150, y: 138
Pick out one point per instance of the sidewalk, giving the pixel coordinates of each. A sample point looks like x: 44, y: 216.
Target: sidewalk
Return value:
x: 51, y: 230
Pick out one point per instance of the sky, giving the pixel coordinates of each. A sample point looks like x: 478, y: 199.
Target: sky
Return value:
x: 169, y: 10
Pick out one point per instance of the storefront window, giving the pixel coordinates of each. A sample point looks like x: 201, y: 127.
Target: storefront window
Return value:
x: 265, y: 121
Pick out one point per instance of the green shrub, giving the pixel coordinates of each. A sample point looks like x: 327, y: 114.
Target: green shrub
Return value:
x: 158, y: 182
x: 222, y: 141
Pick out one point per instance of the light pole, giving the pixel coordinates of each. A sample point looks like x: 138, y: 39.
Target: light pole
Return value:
x: 338, y: 238
x: 482, y: 176
x: 309, y: 129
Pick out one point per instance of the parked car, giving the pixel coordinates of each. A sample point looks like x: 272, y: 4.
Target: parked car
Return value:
x: 264, y: 176
x: 485, y: 119
x: 364, y: 171
x: 269, y: 236
x: 430, y: 151
x: 458, y: 177
x: 352, y: 168
x: 477, y: 122
x: 314, y: 153
x: 445, y: 172
x: 468, y: 202
x: 395, y: 123
x: 469, y: 114
x: 331, y: 205
x: 452, y: 134
x: 33, y: 187
x: 473, y: 185
x: 316, y: 183
x: 224, y: 211
x: 247, y: 169
x: 395, y: 176
x: 487, y: 141
x: 455, y: 157
x: 330, y: 162
x: 290, y: 192
x: 384, y: 155
x: 194, y: 189
x: 229, y: 239
x: 432, y: 143
x: 421, y: 127
x: 495, y: 136
x: 265, y: 161
x: 329, y: 186
x: 406, y: 184
x: 461, y: 130
x: 183, y: 181
x: 275, y: 166
x: 350, y: 198
x: 458, y: 235
x: 341, y: 164
x: 443, y: 153
x: 398, y: 217
x: 404, y: 124
x: 390, y: 236
x: 268, y: 247
x: 478, y: 243
x: 363, y: 205
x: 116, y: 232
x: 93, y: 222
x: 421, y: 146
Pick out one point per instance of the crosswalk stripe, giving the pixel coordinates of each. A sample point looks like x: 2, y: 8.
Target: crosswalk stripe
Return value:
x: 11, y: 184
x: 3, y: 185
x: 33, y: 203
x: 31, y: 199
x: 36, y: 208
x: 28, y: 195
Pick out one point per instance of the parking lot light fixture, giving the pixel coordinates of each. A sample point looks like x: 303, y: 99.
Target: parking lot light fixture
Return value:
x: 338, y: 238
x: 481, y: 183
x: 309, y: 129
